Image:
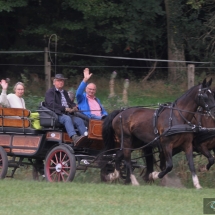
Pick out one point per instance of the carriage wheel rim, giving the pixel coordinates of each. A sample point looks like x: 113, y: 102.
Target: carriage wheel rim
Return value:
x: 58, y: 166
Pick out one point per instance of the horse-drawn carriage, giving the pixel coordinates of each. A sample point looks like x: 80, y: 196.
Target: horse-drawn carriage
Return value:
x: 49, y: 150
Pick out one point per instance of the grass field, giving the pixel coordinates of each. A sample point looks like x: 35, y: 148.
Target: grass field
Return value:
x: 86, y: 195
x: 20, y: 197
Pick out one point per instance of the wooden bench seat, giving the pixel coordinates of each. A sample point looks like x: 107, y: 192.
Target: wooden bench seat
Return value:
x: 14, y: 117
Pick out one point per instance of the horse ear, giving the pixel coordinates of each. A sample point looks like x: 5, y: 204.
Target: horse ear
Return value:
x: 204, y: 83
x: 209, y: 83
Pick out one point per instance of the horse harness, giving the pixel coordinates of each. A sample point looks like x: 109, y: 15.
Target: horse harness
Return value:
x: 181, y: 128
x: 173, y: 129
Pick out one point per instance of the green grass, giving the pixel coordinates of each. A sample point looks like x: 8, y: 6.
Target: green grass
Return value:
x: 29, y: 197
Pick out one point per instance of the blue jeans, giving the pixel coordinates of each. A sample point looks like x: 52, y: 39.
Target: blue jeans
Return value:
x: 69, y: 124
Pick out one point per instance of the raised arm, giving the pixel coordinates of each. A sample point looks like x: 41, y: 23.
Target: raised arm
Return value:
x: 3, y: 97
x: 82, y: 86
x: 87, y: 75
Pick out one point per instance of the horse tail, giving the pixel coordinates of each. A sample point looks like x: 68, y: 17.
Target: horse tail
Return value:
x: 108, y: 133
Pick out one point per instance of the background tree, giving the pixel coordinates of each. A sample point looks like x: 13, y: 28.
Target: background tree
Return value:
x: 122, y: 28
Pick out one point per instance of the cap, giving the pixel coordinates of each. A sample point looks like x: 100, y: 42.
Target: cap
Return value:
x: 59, y: 76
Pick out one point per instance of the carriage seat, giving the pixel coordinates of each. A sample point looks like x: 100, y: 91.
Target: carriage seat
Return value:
x: 84, y: 117
x: 48, y: 118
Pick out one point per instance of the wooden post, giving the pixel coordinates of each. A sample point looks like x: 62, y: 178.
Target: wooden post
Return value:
x: 111, y: 84
x: 47, y: 69
x: 125, y: 92
x: 190, y: 75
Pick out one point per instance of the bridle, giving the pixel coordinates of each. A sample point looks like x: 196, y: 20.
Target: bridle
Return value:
x: 201, y: 101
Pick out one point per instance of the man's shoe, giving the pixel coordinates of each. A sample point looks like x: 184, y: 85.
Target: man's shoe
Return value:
x: 77, y: 139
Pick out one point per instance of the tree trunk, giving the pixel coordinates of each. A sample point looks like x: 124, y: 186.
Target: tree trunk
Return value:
x: 175, y: 51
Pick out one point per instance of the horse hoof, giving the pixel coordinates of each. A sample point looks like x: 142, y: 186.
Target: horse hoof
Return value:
x: 153, y: 176
x: 202, y: 168
x: 199, y: 187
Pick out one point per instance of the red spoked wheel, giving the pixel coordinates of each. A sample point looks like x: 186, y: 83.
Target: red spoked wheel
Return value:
x: 60, y: 165
x: 3, y: 163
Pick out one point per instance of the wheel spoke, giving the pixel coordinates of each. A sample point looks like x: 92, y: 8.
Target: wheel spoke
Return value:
x: 55, y: 176
x: 65, y: 172
x: 52, y: 161
x: 66, y: 167
x: 56, y: 158
x: 59, y: 174
x: 52, y: 167
x: 65, y: 155
x: 63, y: 176
x: 54, y: 172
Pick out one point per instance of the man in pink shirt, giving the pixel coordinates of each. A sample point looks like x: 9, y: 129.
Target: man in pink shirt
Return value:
x: 87, y: 101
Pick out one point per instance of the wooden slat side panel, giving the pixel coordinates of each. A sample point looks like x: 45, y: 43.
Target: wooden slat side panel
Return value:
x: 26, y: 141
x: 12, y: 122
x: 14, y: 112
x: 5, y: 140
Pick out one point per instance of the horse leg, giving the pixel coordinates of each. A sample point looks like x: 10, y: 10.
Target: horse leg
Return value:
x: 162, y: 161
x: 149, y: 159
x: 189, y: 155
x: 167, y: 153
x: 127, y: 157
x: 209, y: 156
x: 115, y: 175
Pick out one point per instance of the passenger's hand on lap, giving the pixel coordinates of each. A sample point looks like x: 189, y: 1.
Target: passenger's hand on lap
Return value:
x: 74, y: 109
x: 69, y: 110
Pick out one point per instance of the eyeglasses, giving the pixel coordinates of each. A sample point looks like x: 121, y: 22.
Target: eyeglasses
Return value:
x: 91, y: 89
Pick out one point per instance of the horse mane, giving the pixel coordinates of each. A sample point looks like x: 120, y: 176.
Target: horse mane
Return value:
x: 186, y: 93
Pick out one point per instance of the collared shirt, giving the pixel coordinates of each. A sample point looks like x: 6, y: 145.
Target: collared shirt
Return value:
x: 63, y: 99
x: 94, y: 106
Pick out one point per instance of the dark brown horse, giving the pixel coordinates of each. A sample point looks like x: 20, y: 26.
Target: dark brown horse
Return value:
x: 170, y: 124
x: 204, y: 140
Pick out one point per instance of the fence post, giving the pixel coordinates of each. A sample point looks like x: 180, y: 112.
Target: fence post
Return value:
x: 111, y: 84
x: 125, y: 92
x: 47, y: 69
x: 190, y: 75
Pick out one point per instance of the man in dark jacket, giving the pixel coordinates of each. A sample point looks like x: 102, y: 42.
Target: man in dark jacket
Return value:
x: 57, y: 100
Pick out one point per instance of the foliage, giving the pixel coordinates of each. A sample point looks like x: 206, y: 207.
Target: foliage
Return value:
x: 93, y: 27
x: 196, y: 4
x: 9, y: 5
x: 135, y: 29
x: 32, y: 102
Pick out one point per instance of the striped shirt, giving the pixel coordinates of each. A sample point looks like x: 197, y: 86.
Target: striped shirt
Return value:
x: 63, y: 99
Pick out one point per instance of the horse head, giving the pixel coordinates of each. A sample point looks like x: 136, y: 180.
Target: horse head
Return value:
x: 205, y: 98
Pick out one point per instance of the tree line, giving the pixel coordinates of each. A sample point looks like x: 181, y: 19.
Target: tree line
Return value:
x: 181, y: 30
